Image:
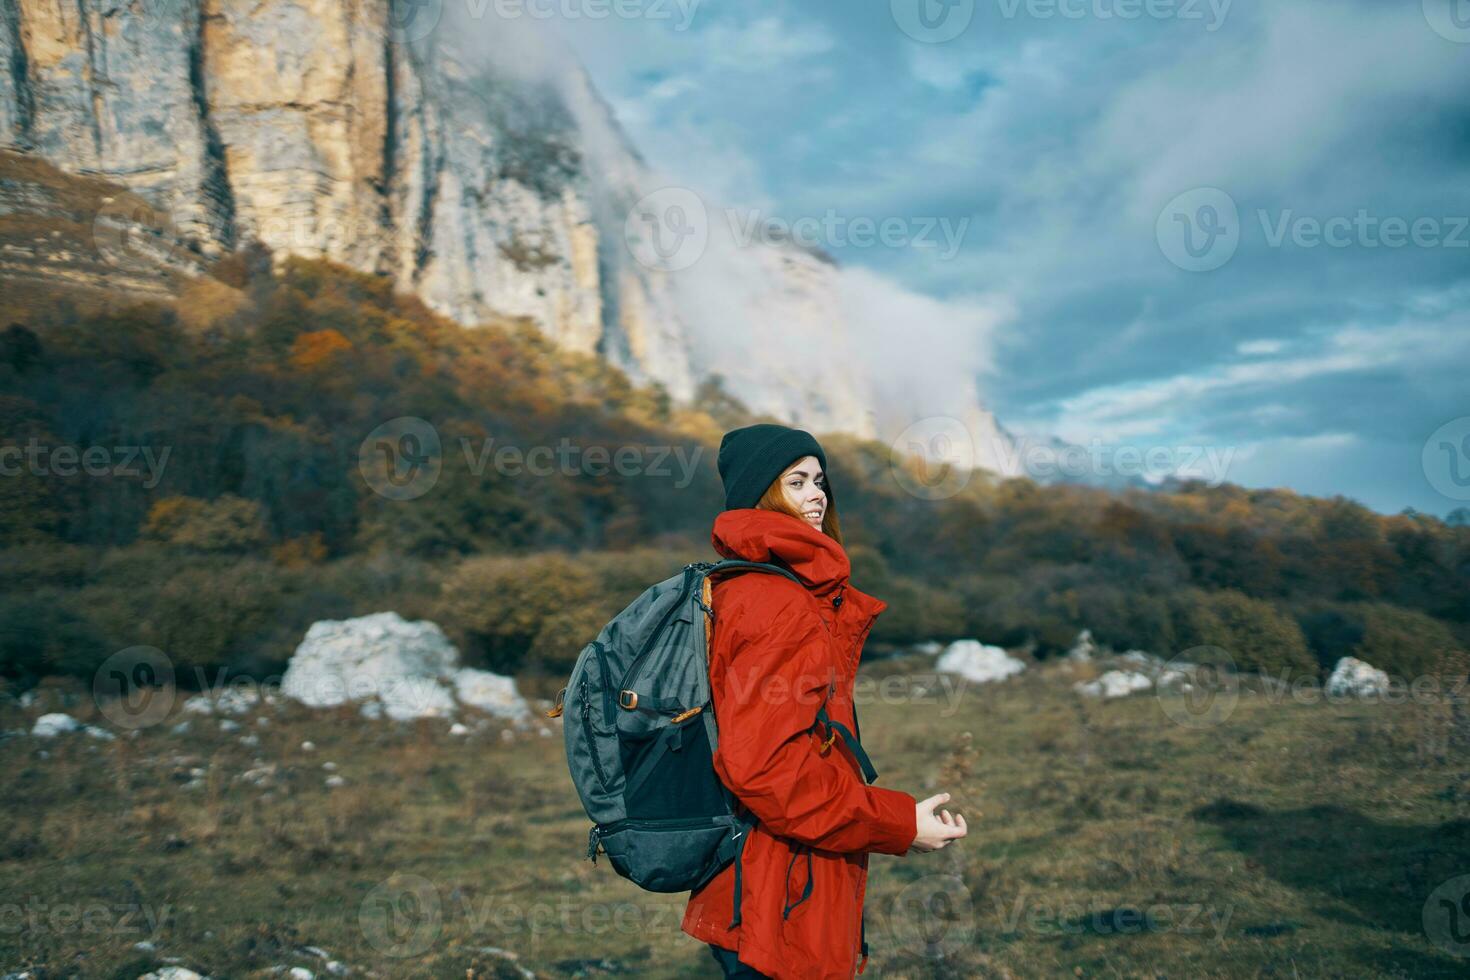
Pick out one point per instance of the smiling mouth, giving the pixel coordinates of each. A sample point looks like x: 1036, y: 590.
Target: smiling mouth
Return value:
x: 810, y: 514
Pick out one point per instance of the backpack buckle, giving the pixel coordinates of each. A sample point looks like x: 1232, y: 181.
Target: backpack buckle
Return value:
x: 830, y: 739
x: 628, y: 699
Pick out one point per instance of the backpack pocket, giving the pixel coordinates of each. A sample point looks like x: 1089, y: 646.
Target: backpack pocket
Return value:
x: 671, y: 855
x: 670, y: 773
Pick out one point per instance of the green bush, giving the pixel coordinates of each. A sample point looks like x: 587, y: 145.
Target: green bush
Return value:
x: 500, y: 609
x: 227, y: 523
x: 1403, y: 642
x: 1257, y: 635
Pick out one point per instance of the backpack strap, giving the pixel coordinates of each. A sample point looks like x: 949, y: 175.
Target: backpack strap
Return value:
x: 836, y: 728
x: 735, y: 844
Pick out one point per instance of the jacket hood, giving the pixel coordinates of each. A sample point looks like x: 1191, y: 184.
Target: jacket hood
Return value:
x: 755, y: 534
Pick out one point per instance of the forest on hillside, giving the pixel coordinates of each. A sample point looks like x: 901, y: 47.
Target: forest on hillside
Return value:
x: 201, y: 476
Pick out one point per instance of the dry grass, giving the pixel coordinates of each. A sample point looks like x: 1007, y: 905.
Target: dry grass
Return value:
x: 1107, y: 841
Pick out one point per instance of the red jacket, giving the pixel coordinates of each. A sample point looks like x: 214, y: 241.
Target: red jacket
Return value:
x: 775, y: 650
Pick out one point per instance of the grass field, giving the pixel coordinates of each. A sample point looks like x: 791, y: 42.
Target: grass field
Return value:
x: 1107, y: 840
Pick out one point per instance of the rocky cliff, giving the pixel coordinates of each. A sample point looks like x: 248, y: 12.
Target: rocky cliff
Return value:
x: 332, y: 128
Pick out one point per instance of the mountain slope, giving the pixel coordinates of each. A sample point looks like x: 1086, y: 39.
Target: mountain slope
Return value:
x: 320, y: 129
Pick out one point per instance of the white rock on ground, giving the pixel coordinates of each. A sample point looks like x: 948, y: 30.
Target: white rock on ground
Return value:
x: 492, y: 693
x: 978, y: 662
x: 381, y: 658
x: 1084, y: 648
x: 59, y: 723
x: 56, y: 723
x: 173, y: 973
x: 1356, y: 678
x: 394, y: 668
x: 230, y: 701
x: 1114, y: 684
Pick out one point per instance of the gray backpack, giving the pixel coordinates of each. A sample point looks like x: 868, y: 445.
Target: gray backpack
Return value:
x: 640, y: 733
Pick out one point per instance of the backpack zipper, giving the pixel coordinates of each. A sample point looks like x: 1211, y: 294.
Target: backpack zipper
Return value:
x: 632, y: 673
x: 607, y: 695
x: 591, y: 736
x: 670, y: 824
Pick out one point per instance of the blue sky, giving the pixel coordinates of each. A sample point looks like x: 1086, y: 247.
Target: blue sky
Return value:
x: 1077, y: 143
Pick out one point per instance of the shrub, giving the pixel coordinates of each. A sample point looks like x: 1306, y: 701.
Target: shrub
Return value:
x: 1403, y: 642
x: 228, y: 523
x: 501, y: 608
x: 1258, y: 636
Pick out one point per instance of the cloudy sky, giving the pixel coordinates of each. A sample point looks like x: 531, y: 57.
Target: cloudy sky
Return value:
x: 1239, y: 226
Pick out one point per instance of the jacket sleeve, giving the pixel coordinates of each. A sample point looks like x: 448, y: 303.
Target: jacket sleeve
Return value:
x: 767, y: 688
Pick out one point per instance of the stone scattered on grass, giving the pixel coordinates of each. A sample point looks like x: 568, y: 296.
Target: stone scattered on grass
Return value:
x: 230, y: 701
x: 458, y: 729
x: 396, y: 669
x: 59, y: 723
x: 335, y: 781
x: 1114, y: 684
x: 381, y: 658
x: 49, y: 726
x: 173, y: 973
x: 494, y: 694
x: 1084, y: 648
x: 1356, y: 678
x: 978, y: 662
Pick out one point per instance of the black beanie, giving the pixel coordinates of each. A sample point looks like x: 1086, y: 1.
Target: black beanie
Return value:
x: 751, y: 458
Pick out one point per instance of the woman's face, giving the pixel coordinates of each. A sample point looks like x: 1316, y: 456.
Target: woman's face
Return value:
x: 805, y: 484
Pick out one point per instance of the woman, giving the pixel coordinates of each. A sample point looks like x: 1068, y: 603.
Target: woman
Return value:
x: 778, y: 650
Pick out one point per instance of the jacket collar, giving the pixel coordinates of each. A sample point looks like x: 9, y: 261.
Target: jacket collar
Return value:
x: 764, y: 535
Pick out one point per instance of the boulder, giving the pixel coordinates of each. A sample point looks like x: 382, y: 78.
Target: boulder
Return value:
x: 978, y: 662
x: 1114, y: 684
x: 1356, y: 678
x: 492, y: 693
x: 49, y: 726
x: 396, y: 669
x: 1084, y: 648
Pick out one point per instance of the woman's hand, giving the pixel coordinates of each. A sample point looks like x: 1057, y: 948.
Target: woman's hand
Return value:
x: 936, y: 830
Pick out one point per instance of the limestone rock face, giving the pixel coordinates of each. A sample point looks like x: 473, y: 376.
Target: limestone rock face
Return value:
x: 322, y: 128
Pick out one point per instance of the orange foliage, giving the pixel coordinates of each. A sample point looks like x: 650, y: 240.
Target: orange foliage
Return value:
x: 315, y: 349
